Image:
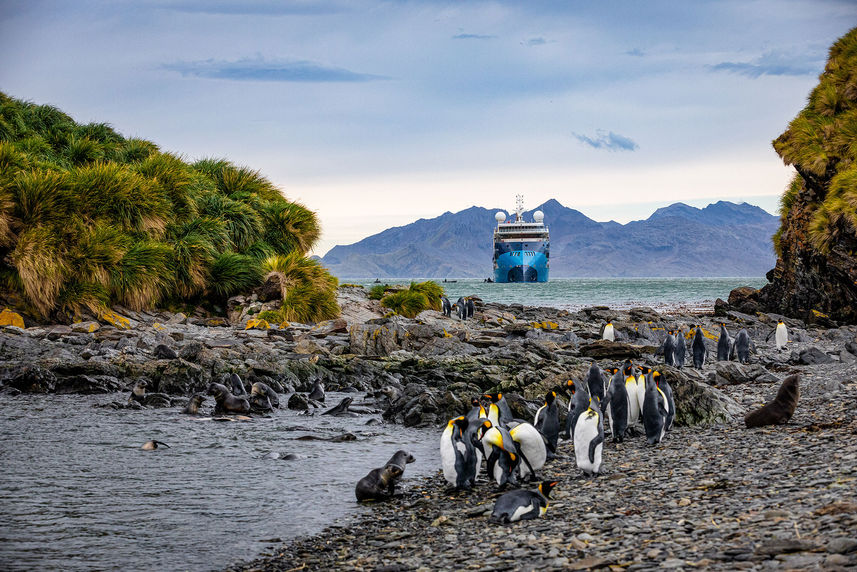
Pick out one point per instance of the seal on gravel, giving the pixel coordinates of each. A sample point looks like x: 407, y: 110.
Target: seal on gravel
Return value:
x: 379, y: 484
x: 781, y: 409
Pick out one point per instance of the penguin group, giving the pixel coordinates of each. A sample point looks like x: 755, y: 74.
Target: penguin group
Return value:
x: 464, y: 307
x: 674, y: 347
x: 611, y: 401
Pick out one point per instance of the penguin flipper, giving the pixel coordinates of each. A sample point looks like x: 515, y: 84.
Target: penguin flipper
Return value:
x: 593, y: 444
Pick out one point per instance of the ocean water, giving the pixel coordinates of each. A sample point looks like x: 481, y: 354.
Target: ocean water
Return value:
x: 576, y: 293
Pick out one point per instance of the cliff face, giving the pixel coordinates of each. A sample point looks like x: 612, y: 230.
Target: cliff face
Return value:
x: 816, y: 271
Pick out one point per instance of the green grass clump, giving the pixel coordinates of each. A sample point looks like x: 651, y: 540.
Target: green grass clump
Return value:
x: 309, y: 291
x: 821, y: 143
x: 377, y: 291
x: 417, y: 298
x: 89, y: 218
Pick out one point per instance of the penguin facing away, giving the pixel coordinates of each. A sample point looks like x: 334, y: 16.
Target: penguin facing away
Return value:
x: 634, y: 403
x: 595, y: 382
x: 700, y: 352
x: 446, y: 307
x: 523, y: 504
x: 668, y: 348
x: 724, y: 344
x: 741, y: 347
x: 470, y: 307
x: 461, y: 308
x: 457, y: 454
x: 589, y: 439
x: 667, y: 393
x: 617, y: 405
x: 547, y: 422
x: 680, y: 353
x: 654, y: 412
x: 576, y: 406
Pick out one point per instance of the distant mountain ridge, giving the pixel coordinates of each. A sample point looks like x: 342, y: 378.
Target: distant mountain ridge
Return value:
x: 722, y: 239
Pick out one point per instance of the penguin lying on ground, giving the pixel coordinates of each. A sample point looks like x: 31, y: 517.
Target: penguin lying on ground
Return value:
x: 522, y: 504
x: 380, y: 484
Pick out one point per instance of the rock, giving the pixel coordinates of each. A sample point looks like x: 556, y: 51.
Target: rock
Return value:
x: 721, y: 308
x: 34, y: 379
x: 56, y: 332
x: 157, y: 400
x: 842, y: 545
x: 813, y: 356
x: 10, y: 318
x: 329, y: 327
x: 744, y: 299
x: 177, y: 319
x: 698, y: 403
x: 191, y: 351
x: 298, y: 402
x: 271, y: 289
x: 216, y: 322
x: 307, y: 346
x: 644, y: 314
x: 605, y: 349
x: 377, y: 338
x: 163, y: 351
x: 85, y: 327
x: 731, y: 373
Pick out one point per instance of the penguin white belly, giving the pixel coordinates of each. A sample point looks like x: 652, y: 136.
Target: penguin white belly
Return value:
x: 641, y: 393
x: 782, y: 336
x: 633, y: 401
x: 538, y: 414
x: 585, y: 432
x: 532, y: 447
x: 608, y: 333
x: 520, y: 512
x: 447, y: 457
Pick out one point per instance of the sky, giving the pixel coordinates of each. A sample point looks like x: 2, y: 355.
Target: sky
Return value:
x: 378, y: 113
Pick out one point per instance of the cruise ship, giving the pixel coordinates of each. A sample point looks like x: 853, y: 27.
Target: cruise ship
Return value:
x: 521, y: 249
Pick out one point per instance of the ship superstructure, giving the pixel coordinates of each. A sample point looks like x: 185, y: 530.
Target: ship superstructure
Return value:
x: 521, y: 249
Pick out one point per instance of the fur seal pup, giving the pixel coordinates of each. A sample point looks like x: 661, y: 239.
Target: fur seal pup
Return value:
x: 781, y: 409
x: 265, y: 390
x: 152, y: 445
x: 341, y: 408
x: 194, y: 403
x: 380, y: 484
x: 138, y: 392
x: 523, y: 504
x: 317, y: 393
x: 237, y: 385
x: 226, y: 402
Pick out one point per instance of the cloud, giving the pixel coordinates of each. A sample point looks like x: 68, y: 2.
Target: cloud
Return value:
x: 472, y: 37
x: 637, y: 52
x: 535, y: 42
x: 608, y: 140
x: 778, y: 63
x: 260, y: 69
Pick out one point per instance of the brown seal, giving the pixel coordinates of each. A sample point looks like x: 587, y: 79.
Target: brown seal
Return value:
x: 226, y: 402
x: 379, y: 484
x: 781, y: 409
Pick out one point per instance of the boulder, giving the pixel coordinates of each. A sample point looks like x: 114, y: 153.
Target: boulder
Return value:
x: 271, y: 289
x: 33, y: 379
x: 298, y: 402
x: 744, y: 299
x: 698, y: 403
x: 813, y: 356
x: 191, y: 351
x: 605, y: 349
x: 163, y: 351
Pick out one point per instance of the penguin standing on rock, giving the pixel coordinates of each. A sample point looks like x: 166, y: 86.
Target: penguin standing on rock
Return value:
x: 522, y: 504
x: 654, y: 412
x: 461, y: 308
x: 589, y: 439
x: 669, y: 348
x: 741, y: 347
x: 781, y: 335
x: 680, y: 348
x: 445, y: 306
x: 724, y: 344
x: 607, y: 332
x: 700, y: 352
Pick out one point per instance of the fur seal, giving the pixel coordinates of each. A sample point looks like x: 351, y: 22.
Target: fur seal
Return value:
x: 341, y: 408
x: 265, y: 390
x: 152, y: 445
x: 237, y: 386
x: 380, y: 484
x: 194, y: 403
x: 317, y: 393
x: 226, y: 402
x: 781, y: 409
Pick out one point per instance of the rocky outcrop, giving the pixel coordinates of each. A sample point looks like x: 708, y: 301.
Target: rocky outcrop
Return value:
x: 815, y: 277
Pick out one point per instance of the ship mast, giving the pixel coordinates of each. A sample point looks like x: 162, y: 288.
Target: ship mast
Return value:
x: 519, y: 208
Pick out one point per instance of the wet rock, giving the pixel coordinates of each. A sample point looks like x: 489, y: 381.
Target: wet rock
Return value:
x: 33, y: 379
x: 744, y: 299
x: 813, y: 356
x: 730, y: 373
x: 698, y: 403
x: 298, y: 402
x: 644, y: 314
x: 157, y: 400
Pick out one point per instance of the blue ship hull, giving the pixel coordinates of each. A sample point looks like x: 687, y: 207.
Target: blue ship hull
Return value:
x: 521, y: 261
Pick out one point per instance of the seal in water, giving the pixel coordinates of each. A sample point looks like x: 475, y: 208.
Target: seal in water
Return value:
x: 379, y: 484
x: 342, y: 408
x: 781, y: 409
x: 265, y: 390
x: 138, y: 392
x: 194, y: 403
x: 226, y: 402
x: 152, y: 445
x: 317, y: 393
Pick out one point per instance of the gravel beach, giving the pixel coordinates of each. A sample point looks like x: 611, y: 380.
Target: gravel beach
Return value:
x: 718, y: 497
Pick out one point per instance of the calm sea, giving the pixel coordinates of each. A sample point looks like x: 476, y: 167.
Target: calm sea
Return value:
x: 576, y: 293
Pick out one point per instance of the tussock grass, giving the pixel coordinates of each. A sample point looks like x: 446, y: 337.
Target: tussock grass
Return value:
x: 89, y: 218
x: 418, y: 297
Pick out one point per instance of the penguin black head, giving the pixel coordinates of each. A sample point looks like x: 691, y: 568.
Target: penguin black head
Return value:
x: 461, y: 423
x: 571, y: 385
x: 474, y: 401
x: 645, y: 369
x: 545, y: 488
x: 550, y: 397
x: 656, y: 375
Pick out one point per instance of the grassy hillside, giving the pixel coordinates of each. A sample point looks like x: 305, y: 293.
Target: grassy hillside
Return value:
x: 89, y: 218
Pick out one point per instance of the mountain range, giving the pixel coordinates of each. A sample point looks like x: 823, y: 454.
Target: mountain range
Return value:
x: 722, y: 239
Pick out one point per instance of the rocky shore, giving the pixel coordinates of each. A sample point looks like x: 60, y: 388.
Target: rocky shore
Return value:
x: 712, y: 495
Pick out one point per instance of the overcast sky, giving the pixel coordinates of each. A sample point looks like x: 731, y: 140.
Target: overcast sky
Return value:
x: 377, y: 113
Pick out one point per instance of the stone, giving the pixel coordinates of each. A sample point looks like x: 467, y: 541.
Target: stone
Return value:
x: 721, y: 308
x: 813, y: 356
x: 744, y: 299
x: 298, y: 402
x: 33, y: 379
x: 271, y: 289
x: 605, y: 349
x: 163, y: 351
x: 10, y: 318
x: 85, y: 327
x: 842, y: 545
x: 191, y: 351
x: 178, y: 318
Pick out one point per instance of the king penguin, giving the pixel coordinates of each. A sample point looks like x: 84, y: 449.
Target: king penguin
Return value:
x: 700, y: 352
x: 589, y: 439
x: 667, y: 392
x: 500, y: 453
x: 643, y: 371
x: 724, y: 344
x: 781, y: 335
x: 498, y: 409
x: 547, y: 422
x: 654, y: 412
x: 618, y: 406
x: 669, y: 348
x: 635, y: 404
x: 457, y: 454
x: 578, y: 404
x: 741, y: 347
x: 445, y: 306
x: 523, y: 504
x: 607, y: 333
x: 595, y: 382
x: 531, y: 448
x: 680, y: 348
